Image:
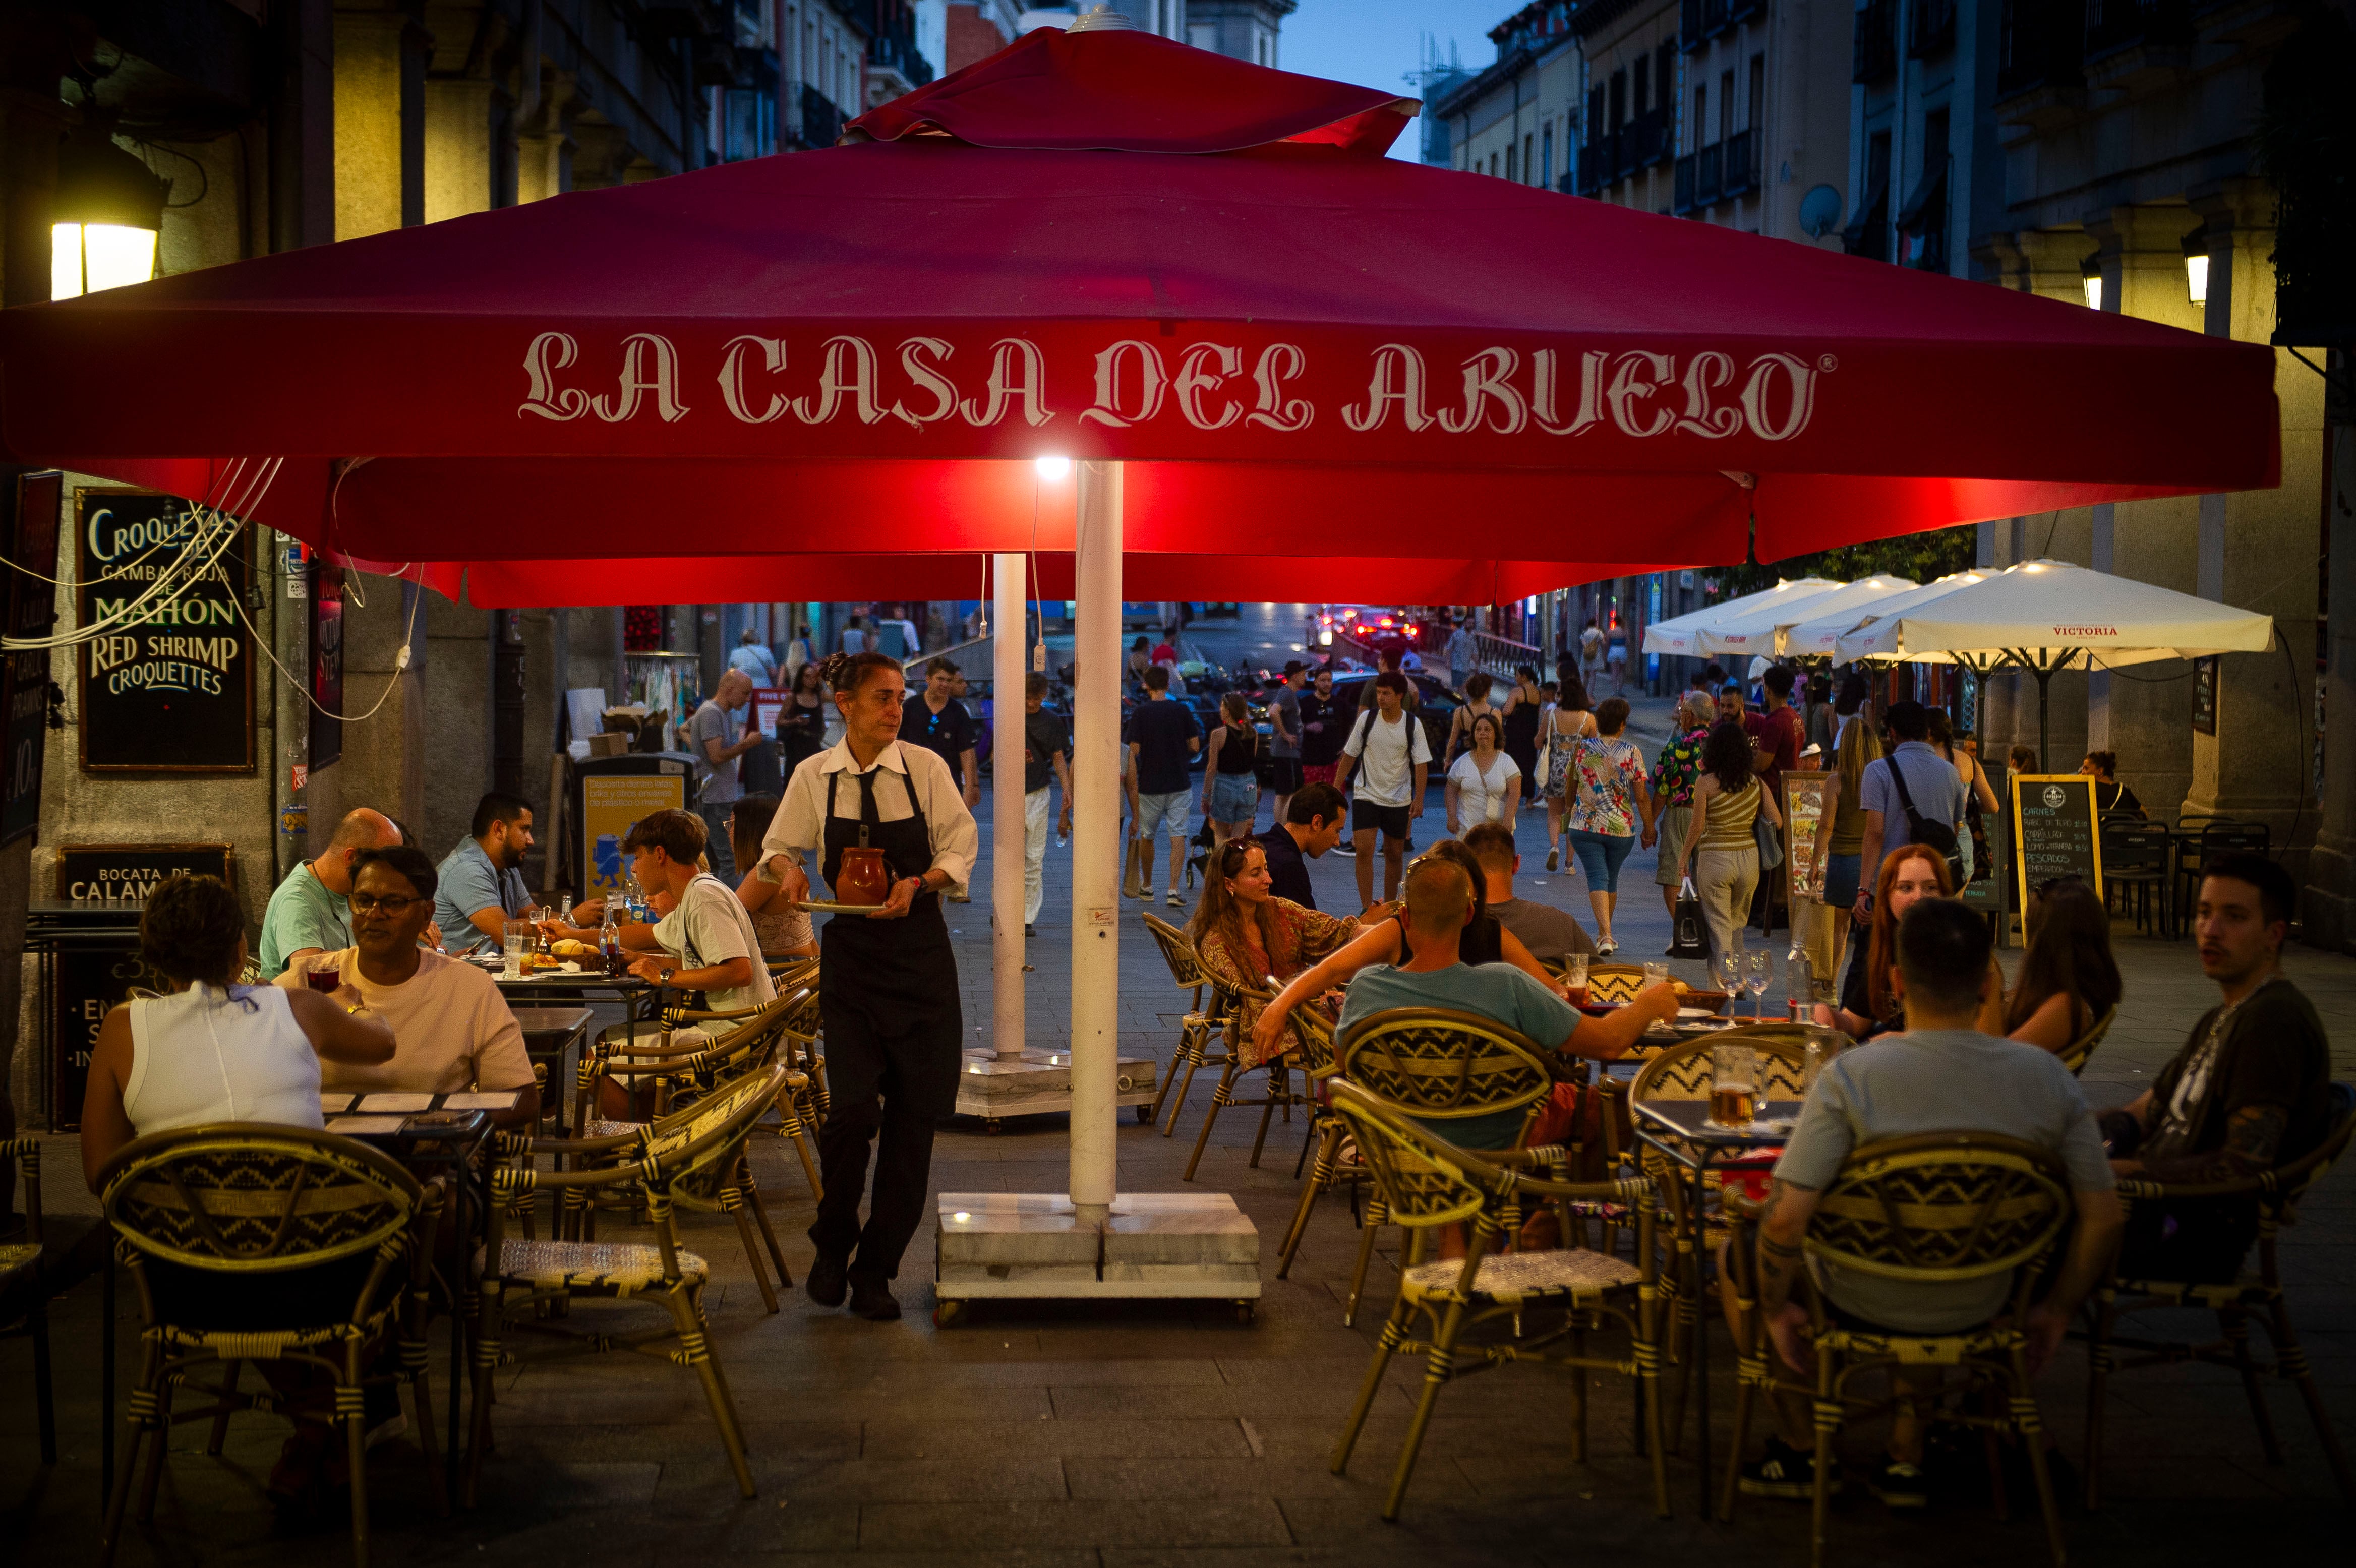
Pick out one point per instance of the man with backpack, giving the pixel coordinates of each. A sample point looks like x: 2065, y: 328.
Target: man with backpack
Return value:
x: 1911, y: 797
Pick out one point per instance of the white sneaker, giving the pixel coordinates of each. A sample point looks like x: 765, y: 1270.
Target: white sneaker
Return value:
x: 1174, y: 900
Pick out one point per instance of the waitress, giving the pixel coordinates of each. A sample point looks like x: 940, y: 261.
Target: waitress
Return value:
x: 887, y: 979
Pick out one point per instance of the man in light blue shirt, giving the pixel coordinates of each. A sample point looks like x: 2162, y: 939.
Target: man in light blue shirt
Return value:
x: 1937, y: 790
x: 308, y: 913
x: 481, y: 880
x: 754, y: 659
x: 1438, y: 907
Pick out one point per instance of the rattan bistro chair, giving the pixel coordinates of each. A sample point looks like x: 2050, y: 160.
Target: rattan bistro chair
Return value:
x: 1933, y: 1208
x: 1426, y: 1182
x: 22, y: 1270
x: 1241, y: 1006
x: 2277, y: 1194
x: 2081, y: 1051
x: 689, y: 1164
x: 1610, y: 985
x: 1330, y: 1172
x: 259, y: 1204
x: 1198, y: 1030
x: 1438, y: 1065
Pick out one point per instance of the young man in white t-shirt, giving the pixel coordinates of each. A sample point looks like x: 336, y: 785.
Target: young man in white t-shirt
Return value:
x: 707, y: 941
x: 1391, y: 758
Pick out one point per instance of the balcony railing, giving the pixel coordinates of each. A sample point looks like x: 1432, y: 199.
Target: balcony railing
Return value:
x: 821, y: 120
x: 1707, y: 167
x: 1741, y: 171
x: 1643, y: 142
x: 1595, y: 158
x: 2042, y: 43
x: 2117, y: 24
x: 1698, y: 21
x: 1931, y: 28
x: 895, y: 50
x: 1682, y: 201
x: 1874, y: 54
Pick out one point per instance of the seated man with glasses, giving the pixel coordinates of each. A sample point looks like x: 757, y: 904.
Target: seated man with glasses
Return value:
x: 452, y: 1030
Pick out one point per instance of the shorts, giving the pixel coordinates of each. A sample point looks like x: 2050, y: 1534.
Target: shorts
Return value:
x: 1674, y: 822
x: 1319, y: 773
x: 1840, y: 880
x: 1284, y: 774
x: 1233, y: 799
x: 1172, y: 809
x: 1393, y: 821
x: 1600, y: 855
x: 1619, y: 654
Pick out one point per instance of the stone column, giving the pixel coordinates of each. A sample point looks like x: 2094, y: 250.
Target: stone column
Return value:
x: 2259, y: 766
x: 380, y: 56
x: 458, y: 163
x: 2330, y: 906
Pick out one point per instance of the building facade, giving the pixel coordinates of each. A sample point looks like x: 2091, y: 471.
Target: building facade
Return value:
x: 1628, y: 92
x: 1515, y: 119
x: 1761, y: 116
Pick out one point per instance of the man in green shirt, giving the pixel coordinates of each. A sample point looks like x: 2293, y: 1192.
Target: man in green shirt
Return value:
x: 308, y: 913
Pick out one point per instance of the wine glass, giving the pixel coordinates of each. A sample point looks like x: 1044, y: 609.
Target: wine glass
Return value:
x: 1759, y: 973
x: 1725, y: 970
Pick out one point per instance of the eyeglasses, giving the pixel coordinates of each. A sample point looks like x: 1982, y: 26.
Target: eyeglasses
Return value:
x: 368, y: 903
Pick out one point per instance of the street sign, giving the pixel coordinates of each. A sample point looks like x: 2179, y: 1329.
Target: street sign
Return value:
x: 127, y: 873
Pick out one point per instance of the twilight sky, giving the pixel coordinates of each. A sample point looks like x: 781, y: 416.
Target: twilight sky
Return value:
x: 1375, y: 43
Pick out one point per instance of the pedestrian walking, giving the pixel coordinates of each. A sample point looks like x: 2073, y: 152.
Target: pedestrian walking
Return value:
x: 1720, y: 847
x: 754, y: 659
x: 1460, y: 724
x: 1483, y: 785
x: 1590, y: 652
x: 1524, y: 706
x: 718, y: 746
x: 1161, y: 735
x: 1284, y: 735
x: 1464, y: 654
x: 1675, y: 772
x: 1616, y: 659
x: 801, y: 721
x: 1230, y: 780
x: 1570, y: 721
x: 797, y: 653
x: 1609, y: 801
x: 1392, y: 760
x: 1047, y: 757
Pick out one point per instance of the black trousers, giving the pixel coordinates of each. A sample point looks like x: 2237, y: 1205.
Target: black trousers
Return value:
x: 904, y: 1163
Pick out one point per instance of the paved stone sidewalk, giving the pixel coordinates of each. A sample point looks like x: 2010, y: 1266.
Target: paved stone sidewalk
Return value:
x: 1155, y: 1434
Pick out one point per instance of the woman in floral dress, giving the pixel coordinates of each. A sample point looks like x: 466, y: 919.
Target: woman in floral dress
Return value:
x: 1673, y: 776
x: 1611, y: 799
x: 1244, y: 934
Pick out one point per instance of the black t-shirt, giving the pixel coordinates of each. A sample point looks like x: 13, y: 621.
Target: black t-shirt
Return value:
x: 1855, y: 997
x: 1160, y: 729
x: 1321, y: 747
x: 1043, y: 737
x: 948, y: 732
x: 2110, y: 795
x: 1288, y: 868
x: 2271, y: 1051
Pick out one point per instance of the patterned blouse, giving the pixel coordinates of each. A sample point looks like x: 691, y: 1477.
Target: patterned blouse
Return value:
x: 1303, y: 937
x: 1609, y: 772
x: 1680, y: 765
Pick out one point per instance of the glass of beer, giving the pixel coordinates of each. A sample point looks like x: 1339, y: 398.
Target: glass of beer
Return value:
x: 1574, y: 978
x: 324, y: 976
x: 1733, y: 1085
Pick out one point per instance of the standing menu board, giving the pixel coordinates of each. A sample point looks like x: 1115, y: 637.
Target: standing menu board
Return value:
x: 85, y: 986
x: 2204, y: 695
x: 2054, y: 823
x: 1806, y: 822
x: 31, y: 609
x: 172, y: 691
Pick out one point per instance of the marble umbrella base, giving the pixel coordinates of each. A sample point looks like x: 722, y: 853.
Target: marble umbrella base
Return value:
x: 1039, y: 1081
x: 1033, y: 1246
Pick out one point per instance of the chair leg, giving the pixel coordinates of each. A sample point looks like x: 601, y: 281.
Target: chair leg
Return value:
x: 2235, y: 1324
x: 752, y: 1249
x: 44, y: 1397
x: 2105, y: 1312
x: 1745, y: 1393
x: 421, y: 1398
x: 1578, y: 1398
x: 2290, y: 1361
x: 221, y: 1421
x: 155, y: 1456
x: 1376, y: 1217
x: 119, y: 1499
x: 808, y: 1153
x: 1276, y: 1083
x: 1223, y: 1094
x: 1162, y: 1093
x: 1318, y: 1175
x: 2026, y: 1421
x: 696, y: 1347
x: 485, y: 1358
x: 1393, y: 1336
x: 1194, y: 1053
x: 768, y: 1235
x: 1648, y: 1380
x: 1438, y: 1362
x: 354, y: 1424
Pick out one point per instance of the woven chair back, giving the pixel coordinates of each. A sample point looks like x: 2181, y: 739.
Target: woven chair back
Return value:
x: 1610, y: 985
x: 1177, y: 952
x: 1941, y: 1207
x: 1682, y: 1072
x: 1432, y: 1062
x: 1419, y: 1183
x: 2289, y: 1184
x: 691, y: 1154
x: 2079, y: 1051
x: 255, y: 1198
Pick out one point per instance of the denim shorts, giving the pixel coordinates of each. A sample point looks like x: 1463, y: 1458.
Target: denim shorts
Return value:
x: 1600, y: 855
x: 1840, y: 880
x: 1235, y: 797
x: 1170, y: 809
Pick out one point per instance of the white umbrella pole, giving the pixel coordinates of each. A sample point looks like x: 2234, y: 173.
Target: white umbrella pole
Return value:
x: 1095, y: 841
x: 1006, y: 792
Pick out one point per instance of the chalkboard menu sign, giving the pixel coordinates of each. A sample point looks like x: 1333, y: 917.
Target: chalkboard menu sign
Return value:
x: 31, y: 606
x: 172, y: 690
x: 127, y: 873
x: 85, y: 985
x: 2204, y: 695
x: 1990, y: 888
x: 2053, y: 822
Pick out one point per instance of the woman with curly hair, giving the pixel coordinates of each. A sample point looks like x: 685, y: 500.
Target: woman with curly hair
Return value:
x: 1244, y: 934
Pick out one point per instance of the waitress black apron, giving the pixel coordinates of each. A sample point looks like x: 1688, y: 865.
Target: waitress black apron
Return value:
x: 888, y: 997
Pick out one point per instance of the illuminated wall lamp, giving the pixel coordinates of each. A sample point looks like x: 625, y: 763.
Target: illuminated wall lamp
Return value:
x: 104, y: 217
x: 2196, y: 266
x: 2091, y: 270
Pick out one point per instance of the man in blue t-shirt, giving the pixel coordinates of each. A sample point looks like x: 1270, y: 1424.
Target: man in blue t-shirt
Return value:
x: 1937, y: 790
x: 1162, y: 736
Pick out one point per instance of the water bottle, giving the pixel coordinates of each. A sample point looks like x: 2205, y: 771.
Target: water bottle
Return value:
x: 609, y: 940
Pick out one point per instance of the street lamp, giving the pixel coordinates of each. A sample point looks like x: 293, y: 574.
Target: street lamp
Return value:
x: 104, y: 217
x: 2091, y: 270
x: 2196, y: 265
x: 1053, y: 468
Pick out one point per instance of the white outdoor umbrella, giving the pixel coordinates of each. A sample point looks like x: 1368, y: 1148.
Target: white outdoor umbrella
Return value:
x: 1761, y: 628
x: 1681, y: 633
x: 1821, y: 635
x: 2044, y: 616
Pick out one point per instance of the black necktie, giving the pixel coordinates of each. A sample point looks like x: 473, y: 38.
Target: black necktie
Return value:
x: 868, y: 815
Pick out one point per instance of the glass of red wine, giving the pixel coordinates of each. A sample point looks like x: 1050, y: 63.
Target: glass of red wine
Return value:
x: 326, y: 978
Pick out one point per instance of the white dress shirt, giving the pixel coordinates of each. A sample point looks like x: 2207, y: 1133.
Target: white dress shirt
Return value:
x: 799, y: 826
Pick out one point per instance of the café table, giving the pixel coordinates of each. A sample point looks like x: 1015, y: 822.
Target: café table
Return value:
x: 1682, y: 1132
x: 553, y: 1037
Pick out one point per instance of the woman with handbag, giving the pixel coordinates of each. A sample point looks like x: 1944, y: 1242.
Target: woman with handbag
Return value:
x: 1720, y: 845
x: 1612, y: 797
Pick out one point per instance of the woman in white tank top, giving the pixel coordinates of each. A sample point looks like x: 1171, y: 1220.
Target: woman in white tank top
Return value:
x: 213, y: 1051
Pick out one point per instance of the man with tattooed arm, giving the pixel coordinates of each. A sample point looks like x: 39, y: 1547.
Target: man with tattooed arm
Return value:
x: 2250, y: 1091
x: 1939, y: 1076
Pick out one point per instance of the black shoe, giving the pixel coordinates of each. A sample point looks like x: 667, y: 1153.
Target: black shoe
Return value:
x: 875, y: 1302
x: 1899, y: 1484
x: 1029, y: 930
x: 826, y: 1281
x: 1783, y: 1472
